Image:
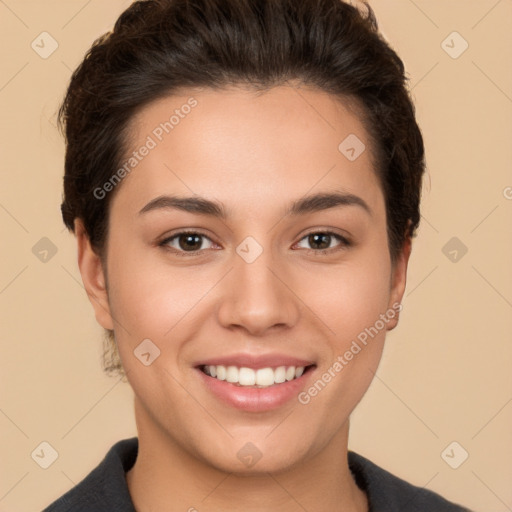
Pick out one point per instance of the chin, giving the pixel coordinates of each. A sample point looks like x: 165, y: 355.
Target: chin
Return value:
x: 257, y: 455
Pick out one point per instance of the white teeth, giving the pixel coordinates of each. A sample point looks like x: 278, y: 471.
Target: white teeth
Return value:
x: 263, y: 377
x: 280, y: 375
x: 247, y: 377
x: 219, y: 370
x: 231, y: 374
x: 290, y: 372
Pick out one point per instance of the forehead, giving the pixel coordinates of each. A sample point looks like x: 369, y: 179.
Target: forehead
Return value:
x: 236, y: 144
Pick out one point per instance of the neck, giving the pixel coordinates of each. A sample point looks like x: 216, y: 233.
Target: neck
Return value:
x: 165, y: 474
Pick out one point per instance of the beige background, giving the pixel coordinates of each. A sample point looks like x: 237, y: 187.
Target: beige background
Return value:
x: 446, y: 372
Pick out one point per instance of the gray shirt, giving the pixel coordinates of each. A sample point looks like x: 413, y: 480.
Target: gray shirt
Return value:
x: 105, y: 488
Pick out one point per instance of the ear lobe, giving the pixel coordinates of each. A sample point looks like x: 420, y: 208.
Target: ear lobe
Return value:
x: 93, y: 277
x: 398, y: 282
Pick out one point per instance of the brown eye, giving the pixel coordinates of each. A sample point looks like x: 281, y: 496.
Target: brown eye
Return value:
x: 324, y: 241
x: 190, y: 242
x: 185, y: 241
x: 319, y: 240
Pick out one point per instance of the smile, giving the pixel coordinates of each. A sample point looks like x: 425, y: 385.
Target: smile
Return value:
x: 255, y: 389
x: 249, y: 377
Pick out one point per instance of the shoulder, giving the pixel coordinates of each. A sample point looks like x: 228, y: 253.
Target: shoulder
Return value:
x: 104, y: 488
x: 386, y: 492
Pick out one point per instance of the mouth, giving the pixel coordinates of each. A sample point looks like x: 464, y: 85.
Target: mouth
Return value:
x: 255, y: 382
x: 246, y: 377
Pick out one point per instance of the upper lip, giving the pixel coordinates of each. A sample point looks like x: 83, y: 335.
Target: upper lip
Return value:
x: 255, y: 361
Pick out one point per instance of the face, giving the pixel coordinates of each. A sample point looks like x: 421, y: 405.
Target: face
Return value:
x: 284, y: 266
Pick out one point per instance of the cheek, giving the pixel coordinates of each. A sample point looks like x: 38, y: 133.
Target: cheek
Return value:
x: 351, y: 306
x: 348, y: 297
x: 149, y: 298
x: 153, y: 303
x: 350, y: 300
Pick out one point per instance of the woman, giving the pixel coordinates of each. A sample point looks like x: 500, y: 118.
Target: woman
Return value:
x: 243, y: 179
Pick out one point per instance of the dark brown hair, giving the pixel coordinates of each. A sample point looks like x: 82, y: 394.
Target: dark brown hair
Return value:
x: 160, y: 46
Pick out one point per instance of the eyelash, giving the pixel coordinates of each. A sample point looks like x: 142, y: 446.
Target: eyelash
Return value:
x: 344, y: 243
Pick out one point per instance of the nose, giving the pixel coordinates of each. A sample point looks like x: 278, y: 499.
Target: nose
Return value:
x: 257, y: 297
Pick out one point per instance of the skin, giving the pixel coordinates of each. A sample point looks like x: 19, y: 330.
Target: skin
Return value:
x: 255, y: 154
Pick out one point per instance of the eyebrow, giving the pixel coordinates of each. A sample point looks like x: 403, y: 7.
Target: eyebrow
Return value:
x: 308, y: 204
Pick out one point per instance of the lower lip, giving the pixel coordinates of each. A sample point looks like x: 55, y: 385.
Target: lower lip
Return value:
x: 256, y: 399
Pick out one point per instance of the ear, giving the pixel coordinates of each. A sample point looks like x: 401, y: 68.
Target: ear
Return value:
x: 93, y: 277
x: 398, y: 281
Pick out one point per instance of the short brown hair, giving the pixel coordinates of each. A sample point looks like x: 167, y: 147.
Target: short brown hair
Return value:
x: 160, y: 46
